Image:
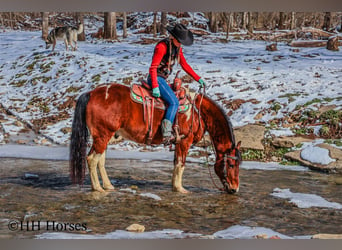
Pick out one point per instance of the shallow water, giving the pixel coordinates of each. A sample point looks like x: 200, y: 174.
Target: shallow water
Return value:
x: 38, y: 190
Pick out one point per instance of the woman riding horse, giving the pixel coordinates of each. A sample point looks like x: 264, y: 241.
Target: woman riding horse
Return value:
x: 166, y: 52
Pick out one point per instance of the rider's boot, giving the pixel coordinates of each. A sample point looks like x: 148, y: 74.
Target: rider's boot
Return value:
x: 166, y: 127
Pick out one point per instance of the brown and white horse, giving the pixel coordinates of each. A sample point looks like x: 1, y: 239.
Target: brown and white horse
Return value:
x: 109, y: 109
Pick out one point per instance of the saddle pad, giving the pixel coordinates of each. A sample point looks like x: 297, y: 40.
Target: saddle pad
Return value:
x: 140, y: 94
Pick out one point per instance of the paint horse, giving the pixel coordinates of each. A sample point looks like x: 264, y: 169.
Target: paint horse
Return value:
x: 109, y: 109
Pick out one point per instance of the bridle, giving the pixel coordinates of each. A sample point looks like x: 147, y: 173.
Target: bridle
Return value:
x: 225, y: 167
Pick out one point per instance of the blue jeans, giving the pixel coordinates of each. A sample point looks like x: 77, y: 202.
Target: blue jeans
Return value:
x: 166, y: 93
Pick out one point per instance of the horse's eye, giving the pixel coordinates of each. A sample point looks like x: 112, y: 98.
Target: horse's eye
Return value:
x: 231, y: 166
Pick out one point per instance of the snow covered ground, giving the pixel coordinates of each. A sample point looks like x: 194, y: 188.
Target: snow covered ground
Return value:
x: 36, y: 84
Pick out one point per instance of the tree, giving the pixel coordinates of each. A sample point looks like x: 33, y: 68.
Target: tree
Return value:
x: 124, y: 25
x: 213, y: 27
x: 80, y: 20
x: 281, y: 21
x: 163, y: 23
x: 45, y: 25
x: 293, y: 20
x: 109, y: 28
x: 244, y: 20
x: 155, y: 24
x: 250, y: 26
x: 327, y: 21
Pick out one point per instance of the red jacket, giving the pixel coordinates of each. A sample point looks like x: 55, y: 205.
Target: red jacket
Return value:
x: 159, y: 52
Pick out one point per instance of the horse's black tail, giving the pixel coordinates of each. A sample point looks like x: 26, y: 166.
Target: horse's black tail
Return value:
x: 79, y: 138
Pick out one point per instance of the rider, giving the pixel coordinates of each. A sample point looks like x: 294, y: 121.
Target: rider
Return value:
x: 166, y: 52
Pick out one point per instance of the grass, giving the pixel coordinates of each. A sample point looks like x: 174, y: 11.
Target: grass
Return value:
x: 315, y: 100
x: 337, y: 142
x: 96, y: 78
x: 19, y: 83
x: 290, y: 163
x: 276, y: 107
x: 290, y: 96
x: 253, y: 154
x: 72, y: 89
x: 280, y: 152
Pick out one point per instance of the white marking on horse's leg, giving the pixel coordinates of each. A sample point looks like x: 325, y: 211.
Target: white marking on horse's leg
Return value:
x: 106, y: 182
x: 93, y: 160
x: 107, y: 95
x: 177, y: 177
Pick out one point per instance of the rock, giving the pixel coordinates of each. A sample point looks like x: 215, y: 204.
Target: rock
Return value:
x: 288, y: 141
x: 272, y: 47
x: 332, y: 167
x: 282, y: 143
x: 136, y: 228
x: 22, y: 141
x: 251, y: 136
x: 261, y: 236
x: 327, y: 236
x: 66, y: 130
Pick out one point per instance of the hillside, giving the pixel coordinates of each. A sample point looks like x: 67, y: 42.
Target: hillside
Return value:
x: 288, y: 92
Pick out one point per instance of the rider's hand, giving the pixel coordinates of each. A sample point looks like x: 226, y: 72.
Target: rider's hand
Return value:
x: 156, y: 92
x: 202, y: 83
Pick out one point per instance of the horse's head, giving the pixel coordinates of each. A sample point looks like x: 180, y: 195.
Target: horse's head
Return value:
x: 227, y: 168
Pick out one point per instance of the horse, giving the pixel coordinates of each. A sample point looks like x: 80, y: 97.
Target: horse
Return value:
x: 108, y: 110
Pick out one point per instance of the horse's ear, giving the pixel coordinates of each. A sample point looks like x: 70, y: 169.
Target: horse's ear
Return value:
x: 238, y: 145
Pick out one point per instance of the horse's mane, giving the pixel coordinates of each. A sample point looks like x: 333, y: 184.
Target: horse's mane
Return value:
x: 225, y: 116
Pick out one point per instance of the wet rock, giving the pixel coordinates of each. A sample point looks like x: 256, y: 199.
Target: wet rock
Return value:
x: 327, y: 236
x: 136, y: 228
x: 251, y: 136
x: 29, y: 176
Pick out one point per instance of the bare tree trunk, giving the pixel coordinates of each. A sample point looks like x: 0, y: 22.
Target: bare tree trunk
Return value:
x: 163, y: 23
x: 109, y: 28
x: 213, y: 22
x: 293, y: 20
x: 45, y: 25
x: 244, y: 20
x: 327, y: 21
x: 80, y: 20
x: 155, y: 24
x: 115, y: 35
x: 124, y: 25
x: 250, y: 22
x: 281, y: 21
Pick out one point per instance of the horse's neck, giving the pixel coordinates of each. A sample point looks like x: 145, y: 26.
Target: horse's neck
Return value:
x: 217, y: 125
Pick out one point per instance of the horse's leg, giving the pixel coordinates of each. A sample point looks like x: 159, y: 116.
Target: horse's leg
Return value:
x: 181, y: 152
x: 107, y: 185
x: 93, y: 160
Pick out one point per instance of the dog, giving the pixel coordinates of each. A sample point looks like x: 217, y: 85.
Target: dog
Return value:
x: 66, y: 33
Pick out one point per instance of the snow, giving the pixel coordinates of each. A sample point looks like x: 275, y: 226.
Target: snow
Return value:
x: 62, y: 153
x: 316, y: 155
x: 305, y: 200
x: 149, y: 195
x: 281, y: 132
x: 234, y: 232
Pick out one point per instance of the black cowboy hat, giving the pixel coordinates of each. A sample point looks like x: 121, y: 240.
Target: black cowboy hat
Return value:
x: 181, y: 33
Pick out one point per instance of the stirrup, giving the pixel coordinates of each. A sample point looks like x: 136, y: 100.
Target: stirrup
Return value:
x: 168, y: 140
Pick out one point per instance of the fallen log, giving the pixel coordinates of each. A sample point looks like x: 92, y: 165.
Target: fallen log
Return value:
x: 311, y: 44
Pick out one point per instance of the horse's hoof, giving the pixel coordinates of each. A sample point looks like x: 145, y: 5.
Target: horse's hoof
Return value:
x: 181, y: 190
x: 100, y: 189
x: 109, y: 188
